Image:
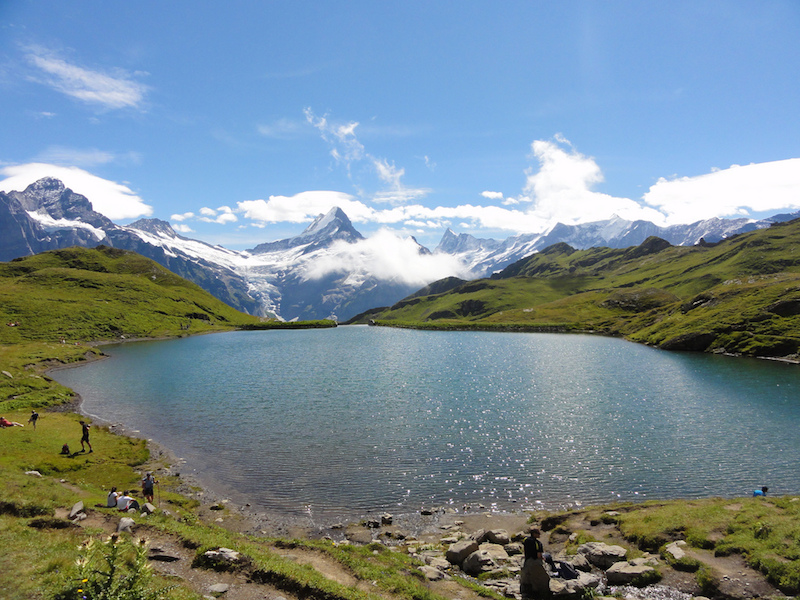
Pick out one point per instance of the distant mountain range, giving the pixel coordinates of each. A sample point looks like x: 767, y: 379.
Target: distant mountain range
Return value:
x: 286, y: 278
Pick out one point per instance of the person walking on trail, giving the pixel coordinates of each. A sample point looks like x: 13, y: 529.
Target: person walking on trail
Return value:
x: 85, y: 436
x: 147, y: 487
x: 534, y: 581
x: 33, y: 418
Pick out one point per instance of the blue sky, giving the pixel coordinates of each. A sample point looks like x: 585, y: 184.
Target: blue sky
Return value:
x: 240, y: 122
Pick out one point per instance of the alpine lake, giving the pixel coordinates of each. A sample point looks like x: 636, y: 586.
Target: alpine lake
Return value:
x: 341, y: 423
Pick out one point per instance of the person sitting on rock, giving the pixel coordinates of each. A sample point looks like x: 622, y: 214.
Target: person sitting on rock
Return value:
x: 125, y: 502
x: 111, y: 501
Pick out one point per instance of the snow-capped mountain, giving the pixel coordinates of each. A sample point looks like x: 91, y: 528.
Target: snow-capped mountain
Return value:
x: 329, y: 270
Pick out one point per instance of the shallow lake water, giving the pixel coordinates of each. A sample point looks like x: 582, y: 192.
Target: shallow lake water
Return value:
x: 349, y: 421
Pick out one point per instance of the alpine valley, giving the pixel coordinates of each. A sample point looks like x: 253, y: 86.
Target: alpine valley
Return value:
x: 320, y: 273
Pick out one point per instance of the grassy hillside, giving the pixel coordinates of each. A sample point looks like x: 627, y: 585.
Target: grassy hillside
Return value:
x: 739, y: 296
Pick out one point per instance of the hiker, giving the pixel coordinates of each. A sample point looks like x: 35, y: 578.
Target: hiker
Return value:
x: 111, y: 502
x: 762, y: 492
x: 6, y: 423
x: 85, y: 436
x: 33, y: 418
x: 534, y: 581
x: 147, y: 487
x: 126, y: 502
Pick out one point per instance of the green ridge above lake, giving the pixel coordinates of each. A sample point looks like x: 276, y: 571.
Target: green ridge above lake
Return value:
x: 739, y: 296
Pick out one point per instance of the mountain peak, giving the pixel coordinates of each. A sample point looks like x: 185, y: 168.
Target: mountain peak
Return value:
x: 324, y: 230
x: 154, y: 226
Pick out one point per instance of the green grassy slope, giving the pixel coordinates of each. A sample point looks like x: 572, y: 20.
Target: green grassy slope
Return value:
x: 739, y: 296
x: 98, y: 294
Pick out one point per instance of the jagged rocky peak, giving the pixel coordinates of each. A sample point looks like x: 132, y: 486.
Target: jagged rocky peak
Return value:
x: 334, y: 224
x: 154, y: 226
x: 46, y: 191
x: 326, y: 228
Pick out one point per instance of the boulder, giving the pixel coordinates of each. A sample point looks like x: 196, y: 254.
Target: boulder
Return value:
x: 479, y: 562
x: 126, y: 524
x: 497, y: 536
x: 675, y: 550
x: 602, y: 555
x: 33, y: 473
x: 387, y: 519
x: 624, y: 573
x: 514, y: 548
x: 459, y: 551
x: 431, y: 573
x: 148, y: 508
x: 578, y: 587
x: 496, y: 551
x: 76, y: 508
x: 218, y: 588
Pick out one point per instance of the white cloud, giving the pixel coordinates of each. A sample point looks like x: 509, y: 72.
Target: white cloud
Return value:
x: 114, y: 200
x: 386, y: 256
x: 182, y: 217
x: 303, y: 207
x: 221, y: 215
x: 492, y: 195
x: 561, y: 190
x: 732, y: 192
x: 182, y: 228
x: 345, y: 146
x: 110, y: 91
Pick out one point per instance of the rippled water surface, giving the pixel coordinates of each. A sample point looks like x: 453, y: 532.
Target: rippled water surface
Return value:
x: 358, y: 419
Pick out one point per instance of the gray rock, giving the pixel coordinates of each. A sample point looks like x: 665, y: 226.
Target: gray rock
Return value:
x: 513, y: 549
x: 675, y: 550
x: 460, y: 550
x: 479, y: 562
x: 7, y: 374
x: 584, y: 582
x: 126, y: 524
x: 219, y: 588
x: 148, y: 508
x: 602, y: 555
x: 76, y: 508
x: 496, y: 551
x: 431, y: 573
x: 387, y: 519
x: 437, y: 563
x: 623, y: 573
x: 33, y: 473
x: 497, y: 536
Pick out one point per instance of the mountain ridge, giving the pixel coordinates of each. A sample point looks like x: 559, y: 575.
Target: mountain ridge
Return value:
x: 315, y: 274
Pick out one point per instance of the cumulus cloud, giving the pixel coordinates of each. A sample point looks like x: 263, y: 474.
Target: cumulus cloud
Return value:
x: 733, y: 192
x: 117, y: 90
x: 303, y: 207
x: 386, y: 256
x: 114, y: 200
x: 221, y: 215
x: 562, y: 188
x: 492, y: 195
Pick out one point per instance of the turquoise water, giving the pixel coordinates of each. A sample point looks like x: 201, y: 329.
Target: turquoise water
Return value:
x: 358, y: 419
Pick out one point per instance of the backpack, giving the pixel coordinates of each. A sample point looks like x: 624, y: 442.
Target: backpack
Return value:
x: 567, y: 571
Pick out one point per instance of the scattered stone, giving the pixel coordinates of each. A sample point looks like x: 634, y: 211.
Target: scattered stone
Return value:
x: 372, y: 524
x: 496, y: 551
x: 125, y: 524
x: 431, y: 573
x: 514, y: 548
x: 386, y: 519
x: 33, y: 473
x: 216, y: 507
x: 7, y: 374
x: 497, y: 536
x: 221, y: 559
x: 459, y: 551
x: 219, y: 588
x: 426, y: 511
x: 624, y: 573
x: 479, y: 562
x: 148, y: 508
x: 675, y: 550
x: 602, y: 555
x: 76, y: 508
